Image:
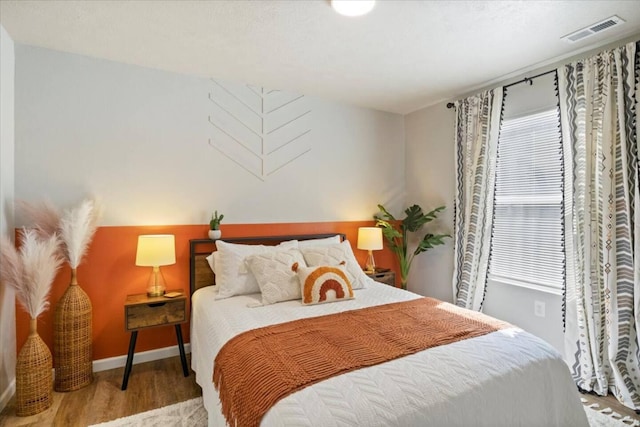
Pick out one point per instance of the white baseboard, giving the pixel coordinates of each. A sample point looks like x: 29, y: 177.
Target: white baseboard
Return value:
x: 7, y: 394
x: 141, y: 357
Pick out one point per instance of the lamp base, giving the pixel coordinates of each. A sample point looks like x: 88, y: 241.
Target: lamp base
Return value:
x: 370, y: 265
x: 156, y: 286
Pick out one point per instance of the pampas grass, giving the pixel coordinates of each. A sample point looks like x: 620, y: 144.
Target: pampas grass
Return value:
x: 30, y: 271
x: 44, y: 216
x: 72, y: 322
x: 77, y: 227
x: 11, y: 266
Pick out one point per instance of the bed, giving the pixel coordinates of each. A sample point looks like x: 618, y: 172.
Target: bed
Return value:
x: 504, y: 378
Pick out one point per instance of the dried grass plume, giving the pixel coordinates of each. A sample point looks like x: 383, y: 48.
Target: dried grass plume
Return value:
x: 77, y: 227
x: 31, y: 269
x: 44, y: 216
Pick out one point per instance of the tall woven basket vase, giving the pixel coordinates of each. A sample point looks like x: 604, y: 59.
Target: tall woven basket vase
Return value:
x: 72, y: 338
x: 34, y: 379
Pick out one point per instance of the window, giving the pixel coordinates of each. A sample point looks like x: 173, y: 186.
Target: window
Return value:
x: 527, y: 245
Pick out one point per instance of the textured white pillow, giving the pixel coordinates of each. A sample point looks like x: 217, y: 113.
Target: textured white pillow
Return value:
x: 232, y: 275
x: 275, y: 276
x: 315, y: 242
x: 333, y: 255
x: 319, y: 242
x: 211, y: 260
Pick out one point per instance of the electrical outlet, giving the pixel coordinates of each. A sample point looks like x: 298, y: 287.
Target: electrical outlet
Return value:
x: 539, y: 308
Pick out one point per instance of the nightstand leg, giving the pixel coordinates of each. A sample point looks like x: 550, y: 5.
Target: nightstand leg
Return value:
x: 127, y: 369
x: 183, y: 358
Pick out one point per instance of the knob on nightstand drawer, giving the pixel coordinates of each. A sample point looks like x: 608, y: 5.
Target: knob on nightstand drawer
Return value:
x: 156, y: 304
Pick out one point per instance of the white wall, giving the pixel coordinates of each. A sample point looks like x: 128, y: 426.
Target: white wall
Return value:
x: 430, y: 178
x: 516, y: 305
x: 7, y: 300
x: 139, y: 139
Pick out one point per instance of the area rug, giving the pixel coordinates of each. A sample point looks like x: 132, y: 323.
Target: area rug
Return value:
x: 192, y: 414
x: 604, y: 417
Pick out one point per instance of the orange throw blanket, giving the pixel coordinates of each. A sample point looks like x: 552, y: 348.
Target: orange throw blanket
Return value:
x: 257, y: 368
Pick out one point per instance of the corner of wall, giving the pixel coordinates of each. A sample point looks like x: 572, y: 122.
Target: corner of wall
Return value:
x: 430, y: 182
x: 7, y: 147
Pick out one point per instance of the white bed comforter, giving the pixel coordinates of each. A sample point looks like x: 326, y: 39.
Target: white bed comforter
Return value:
x: 506, y: 378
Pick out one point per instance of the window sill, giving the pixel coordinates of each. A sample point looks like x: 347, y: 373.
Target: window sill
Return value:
x: 532, y: 286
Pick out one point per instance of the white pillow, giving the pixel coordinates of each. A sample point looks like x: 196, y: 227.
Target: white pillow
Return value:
x: 275, y: 275
x: 319, y: 242
x: 211, y: 259
x: 212, y: 262
x: 232, y: 275
x: 333, y: 255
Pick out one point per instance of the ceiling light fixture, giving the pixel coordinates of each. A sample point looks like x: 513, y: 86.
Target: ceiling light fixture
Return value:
x: 353, y: 7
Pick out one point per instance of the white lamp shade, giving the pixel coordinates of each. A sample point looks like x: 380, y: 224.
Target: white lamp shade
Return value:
x: 155, y: 250
x: 370, y: 238
x: 352, y: 7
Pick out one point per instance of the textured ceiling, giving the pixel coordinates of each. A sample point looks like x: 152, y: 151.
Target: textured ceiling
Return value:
x: 403, y: 56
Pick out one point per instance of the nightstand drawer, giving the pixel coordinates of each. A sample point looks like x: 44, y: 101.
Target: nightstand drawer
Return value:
x: 386, y: 277
x: 155, y: 314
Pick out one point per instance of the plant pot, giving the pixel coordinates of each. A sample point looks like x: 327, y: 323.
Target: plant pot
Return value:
x: 72, y: 338
x: 215, y: 234
x: 34, y: 377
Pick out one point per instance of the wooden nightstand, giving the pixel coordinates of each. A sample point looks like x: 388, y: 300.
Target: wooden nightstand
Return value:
x: 386, y: 276
x: 142, y: 311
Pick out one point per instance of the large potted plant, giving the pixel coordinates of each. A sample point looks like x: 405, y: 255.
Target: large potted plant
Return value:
x: 30, y: 271
x: 396, y: 234
x: 73, y: 321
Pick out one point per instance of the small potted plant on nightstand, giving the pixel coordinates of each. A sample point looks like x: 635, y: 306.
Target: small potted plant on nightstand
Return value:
x: 214, y: 226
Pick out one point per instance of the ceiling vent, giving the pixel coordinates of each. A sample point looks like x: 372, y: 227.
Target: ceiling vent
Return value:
x: 593, y: 29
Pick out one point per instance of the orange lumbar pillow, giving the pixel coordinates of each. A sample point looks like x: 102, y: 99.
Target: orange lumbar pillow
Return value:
x: 323, y: 284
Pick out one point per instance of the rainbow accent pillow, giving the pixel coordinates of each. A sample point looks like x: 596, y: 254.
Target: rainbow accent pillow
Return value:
x: 323, y: 284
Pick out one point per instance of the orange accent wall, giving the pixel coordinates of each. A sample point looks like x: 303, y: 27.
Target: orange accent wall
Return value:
x: 108, y: 274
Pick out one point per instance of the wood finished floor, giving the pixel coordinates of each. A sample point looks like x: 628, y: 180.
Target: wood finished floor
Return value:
x: 151, y: 385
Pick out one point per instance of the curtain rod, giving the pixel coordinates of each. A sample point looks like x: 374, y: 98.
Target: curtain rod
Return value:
x: 525, y: 80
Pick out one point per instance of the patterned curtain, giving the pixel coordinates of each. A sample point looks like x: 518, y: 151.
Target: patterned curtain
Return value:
x: 477, y: 128
x: 599, y: 114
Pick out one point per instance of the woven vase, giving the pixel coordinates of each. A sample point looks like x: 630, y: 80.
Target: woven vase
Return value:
x: 34, y: 378
x: 72, y: 338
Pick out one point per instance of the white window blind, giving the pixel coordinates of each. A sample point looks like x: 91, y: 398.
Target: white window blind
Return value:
x: 527, y: 244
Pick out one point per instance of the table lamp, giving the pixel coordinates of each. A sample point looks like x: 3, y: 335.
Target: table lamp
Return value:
x: 370, y: 239
x: 155, y: 250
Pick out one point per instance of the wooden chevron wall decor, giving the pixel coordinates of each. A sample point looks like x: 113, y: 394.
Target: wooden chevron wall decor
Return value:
x: 261, y: 130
